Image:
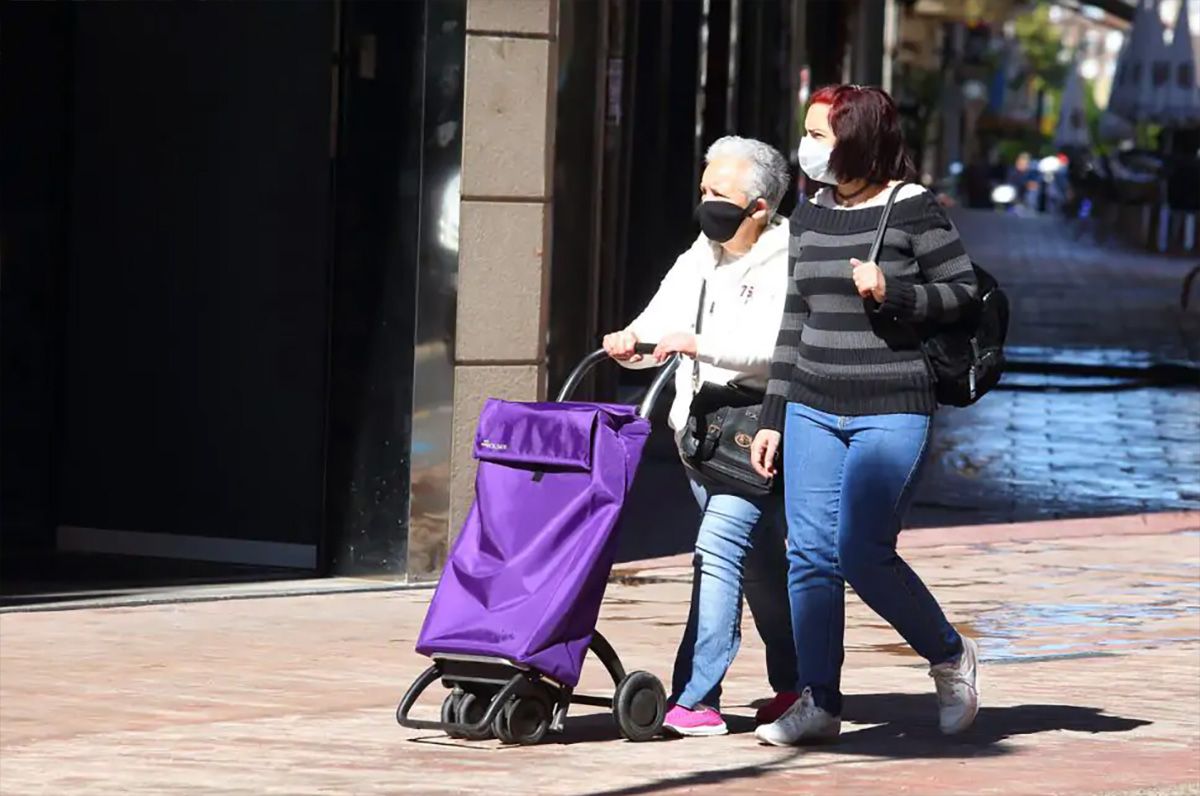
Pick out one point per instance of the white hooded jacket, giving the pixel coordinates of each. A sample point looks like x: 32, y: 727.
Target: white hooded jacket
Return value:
x: 744, y: 307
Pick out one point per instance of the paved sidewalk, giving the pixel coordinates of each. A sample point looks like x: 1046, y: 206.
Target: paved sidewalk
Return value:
x: 1090, y: 632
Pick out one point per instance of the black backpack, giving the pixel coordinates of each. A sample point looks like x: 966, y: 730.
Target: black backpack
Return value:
x: 966, y: 357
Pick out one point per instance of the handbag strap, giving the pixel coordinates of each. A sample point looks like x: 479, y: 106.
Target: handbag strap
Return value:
x: 873, y: 257
x: 877, y: 244
x: 696, y: 331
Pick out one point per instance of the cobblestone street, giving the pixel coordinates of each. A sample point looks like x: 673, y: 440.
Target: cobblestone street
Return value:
x: 1082, y: 300
x: 1054, y: 444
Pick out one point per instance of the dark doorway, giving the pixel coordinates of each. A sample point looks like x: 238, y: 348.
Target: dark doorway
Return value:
x: 645, y: 87
x: 210, y: 296
x: 180, y: 257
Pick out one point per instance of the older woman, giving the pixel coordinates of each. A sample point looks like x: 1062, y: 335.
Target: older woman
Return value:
x: 740, y: 258
x: 851, y: 392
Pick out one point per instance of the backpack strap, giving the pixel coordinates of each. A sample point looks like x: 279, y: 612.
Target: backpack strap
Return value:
x: 873, y: 257
x: 877, y: 244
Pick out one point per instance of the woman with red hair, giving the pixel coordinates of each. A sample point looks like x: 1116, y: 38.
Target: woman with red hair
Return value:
x: 851, y: 395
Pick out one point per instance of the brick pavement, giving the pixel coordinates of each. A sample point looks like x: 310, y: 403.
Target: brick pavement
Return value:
x: 1090, y: 632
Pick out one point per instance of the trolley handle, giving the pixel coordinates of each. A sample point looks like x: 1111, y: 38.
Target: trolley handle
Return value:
x: 661, y: 379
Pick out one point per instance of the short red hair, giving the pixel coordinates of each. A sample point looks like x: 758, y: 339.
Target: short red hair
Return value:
x: 870, y: 144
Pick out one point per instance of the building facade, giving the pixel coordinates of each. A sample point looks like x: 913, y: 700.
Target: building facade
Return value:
x: 263, y: 263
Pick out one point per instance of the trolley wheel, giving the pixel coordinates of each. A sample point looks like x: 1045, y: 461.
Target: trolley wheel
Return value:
x: 469, y: 710
x: 640, y: 705
x: 524, y: 720
x: 450, y: 713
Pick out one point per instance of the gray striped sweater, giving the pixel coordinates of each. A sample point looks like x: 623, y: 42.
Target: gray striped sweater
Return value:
x: 845, y: 355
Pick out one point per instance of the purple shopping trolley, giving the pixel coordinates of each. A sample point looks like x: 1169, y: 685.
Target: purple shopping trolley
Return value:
x: 515, y: 610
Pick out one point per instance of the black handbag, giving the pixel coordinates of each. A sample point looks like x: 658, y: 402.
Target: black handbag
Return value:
x: 721, y: 426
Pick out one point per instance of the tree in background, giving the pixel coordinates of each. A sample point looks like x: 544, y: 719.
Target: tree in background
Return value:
x: 1042, y: 48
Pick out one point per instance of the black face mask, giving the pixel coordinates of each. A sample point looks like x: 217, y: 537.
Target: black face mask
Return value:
x: 720, y: 220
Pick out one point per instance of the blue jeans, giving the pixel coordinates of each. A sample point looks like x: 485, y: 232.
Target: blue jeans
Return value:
x: 739, y: 549
x: 848, y: 482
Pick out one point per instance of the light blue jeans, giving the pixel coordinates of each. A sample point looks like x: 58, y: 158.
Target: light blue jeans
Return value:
x: 739, y: 550
x: 848, y: 482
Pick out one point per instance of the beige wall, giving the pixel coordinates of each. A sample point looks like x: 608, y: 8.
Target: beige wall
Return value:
x: 504, y: 248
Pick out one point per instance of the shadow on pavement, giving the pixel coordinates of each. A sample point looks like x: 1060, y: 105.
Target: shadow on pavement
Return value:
x: 598, y: 727
x: 590, y: 728
x: 905, y: 729
x: 51, y: 578
x: 724, y: 776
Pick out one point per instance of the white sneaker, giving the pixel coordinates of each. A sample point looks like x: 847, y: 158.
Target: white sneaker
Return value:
x: 803, y: 722
x: 958, y: 689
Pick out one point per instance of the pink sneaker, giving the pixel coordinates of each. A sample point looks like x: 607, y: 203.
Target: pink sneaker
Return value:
x: 770, y: 712
x: 700, y: 721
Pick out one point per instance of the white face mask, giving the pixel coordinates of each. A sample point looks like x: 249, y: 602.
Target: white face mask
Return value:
x: 814, y: 160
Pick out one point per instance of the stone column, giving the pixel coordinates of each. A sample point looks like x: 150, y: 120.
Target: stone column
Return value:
x: 504, y: 243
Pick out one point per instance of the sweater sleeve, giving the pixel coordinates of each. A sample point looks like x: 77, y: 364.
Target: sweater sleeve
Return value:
x: 787, y: 350
x: 948, y: 280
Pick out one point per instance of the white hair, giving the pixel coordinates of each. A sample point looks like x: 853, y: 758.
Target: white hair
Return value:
x: 768, y: 173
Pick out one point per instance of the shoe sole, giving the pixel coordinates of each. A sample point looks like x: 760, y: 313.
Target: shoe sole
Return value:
x: 819, y: 741
x: 812, y: 740
x: 695, y: 732
x: 769, y: 742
